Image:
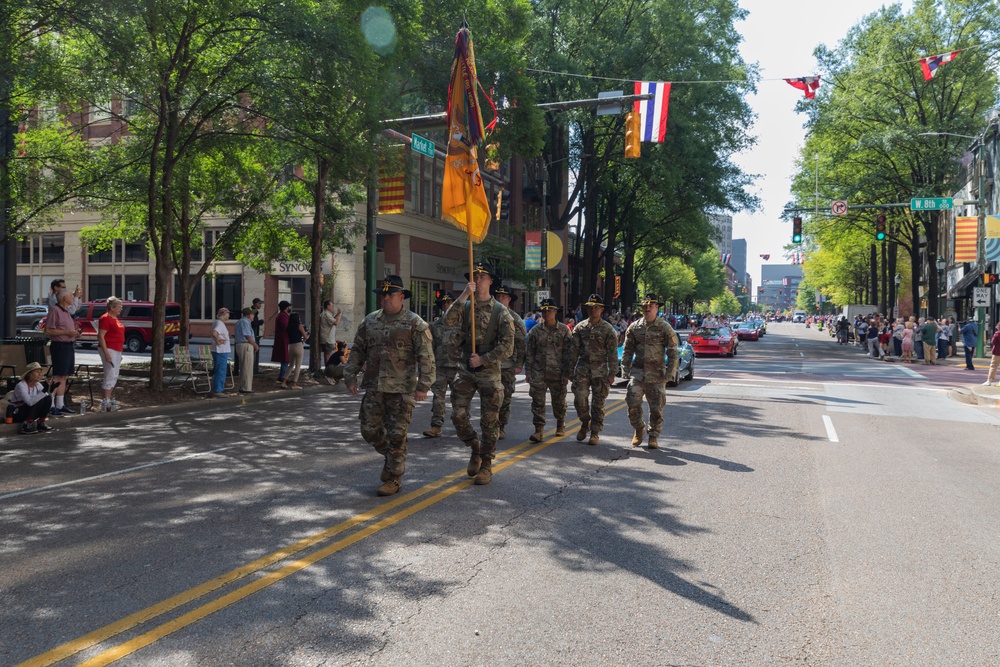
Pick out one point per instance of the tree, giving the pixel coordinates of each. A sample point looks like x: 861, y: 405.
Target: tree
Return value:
x: 725, y: 304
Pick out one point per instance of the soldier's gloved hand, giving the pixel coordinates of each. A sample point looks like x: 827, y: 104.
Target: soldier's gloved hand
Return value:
x: 420, y: 395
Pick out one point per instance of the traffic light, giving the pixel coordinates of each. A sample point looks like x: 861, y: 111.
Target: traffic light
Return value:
x: 796, y: 230
x: 880, y: 227
x: 633, y: 128
x: 990, y: 279
x: 503, y: 206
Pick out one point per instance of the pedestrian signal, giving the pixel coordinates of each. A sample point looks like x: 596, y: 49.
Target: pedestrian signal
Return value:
x: 880, y: 227
x: 633, y: 129
x: 796, y: 230
x: 990, y: 279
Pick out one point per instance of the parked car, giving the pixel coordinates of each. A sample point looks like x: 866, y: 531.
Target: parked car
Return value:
x: 685, y: 364
x: 30, y: 315
x: 714, y: 340
x: 747, y: 331
x: 136, y: 317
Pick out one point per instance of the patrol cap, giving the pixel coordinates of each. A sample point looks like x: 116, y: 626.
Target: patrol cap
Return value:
x: 650, y: 298
x: 391, y: 285
x: 548, y: 304
x: 503, y: 289
x: 594, y: 300
x: 483, y: 267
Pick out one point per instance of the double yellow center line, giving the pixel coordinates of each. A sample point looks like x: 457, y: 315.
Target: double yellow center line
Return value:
x: 437, y: 488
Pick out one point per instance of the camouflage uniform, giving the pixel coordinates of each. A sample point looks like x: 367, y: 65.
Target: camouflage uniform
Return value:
x: 398, y: 358
x: 594, y: 357
x: 486, y: 380
x: 649, y: 372
x: 509, y: 365
x: 447, y: 349
x: 547, y: 364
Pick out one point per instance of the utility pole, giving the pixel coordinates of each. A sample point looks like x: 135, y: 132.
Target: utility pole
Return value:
x: 8, y: 248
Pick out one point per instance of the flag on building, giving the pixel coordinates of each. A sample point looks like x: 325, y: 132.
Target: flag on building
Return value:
x: 463, y: 197
x: 653, y: 112
x: 765, y: 257
x: 725, y: 257
x: 966, y: 236
x: 807, y: 84
x: 931, y: 64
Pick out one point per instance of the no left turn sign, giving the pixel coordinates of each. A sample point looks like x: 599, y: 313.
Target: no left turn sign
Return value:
x: 839, y: 207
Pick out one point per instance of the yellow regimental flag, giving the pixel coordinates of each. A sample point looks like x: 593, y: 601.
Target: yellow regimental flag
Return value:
x: 463, y: 197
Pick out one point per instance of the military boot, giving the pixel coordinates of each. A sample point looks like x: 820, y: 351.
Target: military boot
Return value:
x: 389, y: 486
x: 582, y: 433
x: 432, y: 432
x: 475, y: 461
x: 594, y: 438
x: 560, y: 427
x: 637, y: 438
x: 485, y: 474
x: 653, y: 444
x: 538, y: 435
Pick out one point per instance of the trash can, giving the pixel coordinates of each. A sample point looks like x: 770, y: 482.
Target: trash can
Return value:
x: 23, y: 350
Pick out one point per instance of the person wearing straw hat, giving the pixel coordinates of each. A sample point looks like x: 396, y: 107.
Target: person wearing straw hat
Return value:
x: 480, y: 370
x: 594, y: 358
x: 514, y: 364
x: 394, y: 347
x: 648, y: 340
x: 547, y: 368
x: 31, y: 402
x: 447, y: 348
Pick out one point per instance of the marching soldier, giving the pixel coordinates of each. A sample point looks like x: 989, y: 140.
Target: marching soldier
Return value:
x: 648, y: 339
x: 447, y: 344
x: 480, y: 371
x: 510, y: 367
x: 594, y: 358
x: 547, y: 367
x: 395, y: 348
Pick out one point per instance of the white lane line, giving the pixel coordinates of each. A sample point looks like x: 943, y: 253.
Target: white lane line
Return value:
x: 801, y: 354
x: 109, y: 474
x: 830, y: 431
x: 912, y: 373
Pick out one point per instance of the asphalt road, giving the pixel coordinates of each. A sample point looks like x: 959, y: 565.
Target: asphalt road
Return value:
x: 809, y: 506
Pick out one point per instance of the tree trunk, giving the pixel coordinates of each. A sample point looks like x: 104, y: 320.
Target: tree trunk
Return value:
x: 316, y: 268
x: 609, y: 251
x: 589, y: 215
x: 628, y: 275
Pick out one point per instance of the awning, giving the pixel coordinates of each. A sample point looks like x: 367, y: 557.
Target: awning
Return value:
x: 961, y: 288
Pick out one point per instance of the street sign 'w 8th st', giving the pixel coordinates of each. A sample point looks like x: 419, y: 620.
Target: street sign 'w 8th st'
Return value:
x: 931, y: 204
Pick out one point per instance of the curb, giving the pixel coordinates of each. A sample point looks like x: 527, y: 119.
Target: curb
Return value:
x: 92, y: 419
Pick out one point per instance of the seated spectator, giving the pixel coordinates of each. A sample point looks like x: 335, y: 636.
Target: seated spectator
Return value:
x: 31, y: 402
x: 335, y: 364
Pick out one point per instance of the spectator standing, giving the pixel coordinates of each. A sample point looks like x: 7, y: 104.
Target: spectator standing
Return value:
x: 529, y: 321
x: 221, y: 349
x: 906, y: 342
x: 59, y: 284
x: 110, y: 344
x: 256, y: 305
x: 953, y: 330
x: 970, y: 336
x: 928, y: 336
x: 62, y: 332
x: 279, y: 353
x: 873, y: 340
x: 31, y: 402
x: 296, y: 345
x: 995, y: 360
x: 943, y: 337
x: 328, y: 323
x: 246, y: 348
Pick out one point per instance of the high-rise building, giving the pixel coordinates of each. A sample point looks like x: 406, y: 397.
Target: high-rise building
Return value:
x: 724, y: 225
x: 779, y: 286
x: 739, y: 260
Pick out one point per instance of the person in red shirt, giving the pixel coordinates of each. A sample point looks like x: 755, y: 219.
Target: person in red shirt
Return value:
x: 111, y: 342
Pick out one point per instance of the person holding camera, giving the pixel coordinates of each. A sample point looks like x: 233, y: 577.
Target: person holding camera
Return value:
x: 31, y: 402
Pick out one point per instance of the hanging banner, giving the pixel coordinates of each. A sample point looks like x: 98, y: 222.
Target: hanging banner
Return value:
x: 966, y: 237
x: 533, y: 251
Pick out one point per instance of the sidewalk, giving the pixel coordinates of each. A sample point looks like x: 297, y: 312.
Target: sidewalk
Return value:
x: 957, y: 360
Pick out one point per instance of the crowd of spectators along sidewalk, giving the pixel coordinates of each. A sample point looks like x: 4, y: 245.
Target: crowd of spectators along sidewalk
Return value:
x: 932, y: 340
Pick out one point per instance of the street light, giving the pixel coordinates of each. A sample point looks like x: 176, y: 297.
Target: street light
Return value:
x: 941, y: 263
x: 897, y: 280
x: 566, y: 292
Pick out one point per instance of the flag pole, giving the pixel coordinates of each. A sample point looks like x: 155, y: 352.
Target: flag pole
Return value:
x: 472, y: 308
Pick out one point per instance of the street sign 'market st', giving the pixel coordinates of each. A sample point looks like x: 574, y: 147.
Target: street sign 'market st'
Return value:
x: 422, y: 146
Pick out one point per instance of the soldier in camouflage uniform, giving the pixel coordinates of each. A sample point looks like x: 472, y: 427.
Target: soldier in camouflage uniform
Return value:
x: 648, y: 339
x: 594, y: 358
x: 394, y: 347
x: 510, y: 367
x: 447, y: 344
x: 480, y: 371
x: 547, y: 367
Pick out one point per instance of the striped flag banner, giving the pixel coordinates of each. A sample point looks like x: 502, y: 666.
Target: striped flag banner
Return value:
x: 653, y: 112
x: 533, y: 251
x: 391, y: 191
x: 931, y: 64
x: 966, y: 236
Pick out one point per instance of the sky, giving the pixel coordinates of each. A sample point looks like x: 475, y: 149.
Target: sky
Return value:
x: 781, y: 40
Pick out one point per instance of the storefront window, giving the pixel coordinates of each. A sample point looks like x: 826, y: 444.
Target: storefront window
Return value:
x: 52, y: 248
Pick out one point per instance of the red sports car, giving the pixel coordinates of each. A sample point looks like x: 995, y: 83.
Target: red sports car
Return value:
x: 747, y: 331
x: 714, y: 340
